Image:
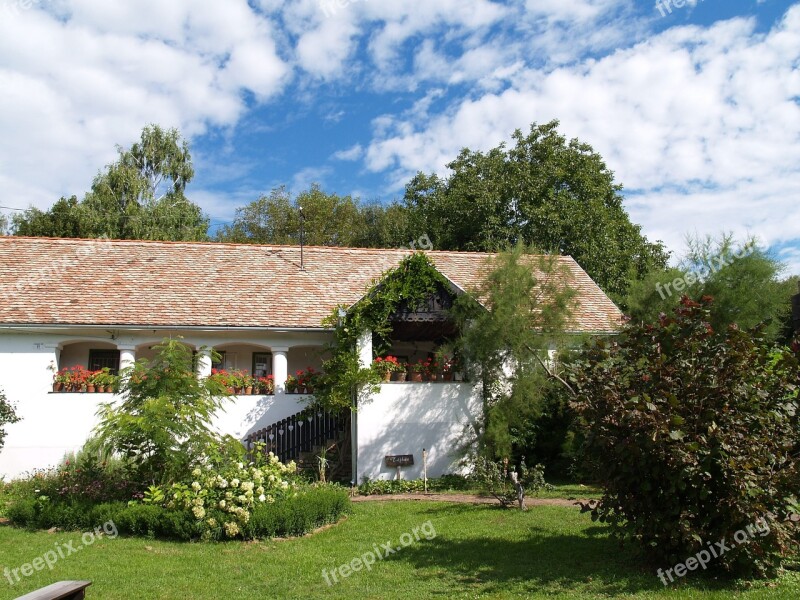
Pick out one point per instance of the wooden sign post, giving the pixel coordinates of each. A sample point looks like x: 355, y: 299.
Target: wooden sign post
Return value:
x: 425, y: 470
x: 399, y: 460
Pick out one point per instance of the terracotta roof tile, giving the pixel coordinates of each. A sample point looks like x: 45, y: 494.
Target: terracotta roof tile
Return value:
x: 87, y: 282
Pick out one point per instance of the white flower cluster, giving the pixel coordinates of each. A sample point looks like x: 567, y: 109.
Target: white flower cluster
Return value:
x: 234, y: 490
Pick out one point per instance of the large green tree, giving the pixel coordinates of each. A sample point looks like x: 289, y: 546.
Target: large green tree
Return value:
x: 139, y: 196
x: 330, y: 220
x: 744, y: 279
x: 545, y: 191
x: 63, y: 219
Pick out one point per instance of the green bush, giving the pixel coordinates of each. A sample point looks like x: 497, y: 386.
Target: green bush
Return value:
x: 310, y: 508
x: 696, y: 436
x: 8, y: 415
x: 497, y: 479
x: 162, y: 424
x: 448, y: 482
x: 295, y: 515
x: 81, y: 477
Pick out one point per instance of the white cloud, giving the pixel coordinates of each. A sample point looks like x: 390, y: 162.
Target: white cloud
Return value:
x: 702, y: 123
x: 81, y: 76
x: 354, y: 152
x: 305, y: 178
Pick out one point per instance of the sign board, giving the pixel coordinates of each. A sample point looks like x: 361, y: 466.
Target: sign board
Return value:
x: 400, y: 460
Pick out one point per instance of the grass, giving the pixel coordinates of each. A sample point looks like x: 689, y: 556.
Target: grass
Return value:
x: 478, y: 551
x: 569, y: 490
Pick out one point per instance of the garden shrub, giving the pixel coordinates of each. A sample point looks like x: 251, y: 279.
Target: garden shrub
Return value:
x: 496, y: 479
x: 305, y: 510
x: 81, y: 477
x: 215, y: 501
x: 162, y: 424
x: 696, y: 435
x: 8, y: 415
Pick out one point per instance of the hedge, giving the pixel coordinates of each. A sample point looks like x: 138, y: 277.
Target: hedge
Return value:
x: 311, y: 508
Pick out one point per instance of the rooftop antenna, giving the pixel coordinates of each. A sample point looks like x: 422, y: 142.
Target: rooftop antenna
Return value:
x: 302, y: 236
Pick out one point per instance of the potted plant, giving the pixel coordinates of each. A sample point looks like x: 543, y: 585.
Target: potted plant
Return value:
x: 61, y: 380
x: 418, y: 370
x: 445, y: 363
x: 223, y: 378
x: 236, y: 381
x: 90, y: 387
x: 447, y: 370
x: 103, y: 380
x: 291, y: 384
x: 266, y: 385
x: 78, y: 377
x: 434, y: 370
x: 247, y: 381
x: 306, y: 380
x: 387, y: 365
x: 57, y: 385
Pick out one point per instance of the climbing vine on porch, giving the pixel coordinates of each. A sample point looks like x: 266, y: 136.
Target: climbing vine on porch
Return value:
x: 407, y: 286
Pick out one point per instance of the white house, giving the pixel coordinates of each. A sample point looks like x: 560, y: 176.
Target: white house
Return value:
x: 94, y: 303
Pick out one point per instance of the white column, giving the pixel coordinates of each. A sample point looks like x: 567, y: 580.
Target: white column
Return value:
x: 280, y: 368
x: 53, y: 356
x: 204, y: 361
x: 127, y: 356
x: 364, y: 349
x: 56, y: 350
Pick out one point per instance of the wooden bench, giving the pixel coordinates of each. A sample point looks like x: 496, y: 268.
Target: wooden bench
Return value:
x: 61, y: 590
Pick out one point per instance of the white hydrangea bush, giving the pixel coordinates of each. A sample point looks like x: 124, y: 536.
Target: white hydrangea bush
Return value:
x: 233, y: 490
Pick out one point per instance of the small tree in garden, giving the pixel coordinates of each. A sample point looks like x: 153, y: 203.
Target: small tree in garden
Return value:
x: 504, y: 483
x: 7, y: 416
x: 508, y: 326
x: 696, y: 437
x: 163, y: 421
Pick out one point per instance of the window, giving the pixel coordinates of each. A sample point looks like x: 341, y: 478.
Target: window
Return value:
x: 227, y: 361
x: 221, y: 363
x: 262, y: 364
x: 101, y: 359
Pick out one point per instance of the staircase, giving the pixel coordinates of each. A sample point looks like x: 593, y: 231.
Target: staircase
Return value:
x: 303, y: 437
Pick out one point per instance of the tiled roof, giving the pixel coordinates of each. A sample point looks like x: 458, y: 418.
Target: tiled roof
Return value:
x: 102, y: 282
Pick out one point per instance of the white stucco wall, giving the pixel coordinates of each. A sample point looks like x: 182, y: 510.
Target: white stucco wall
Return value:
x: 245, y: 414
x: 404, y: 418
x: 54, y: 424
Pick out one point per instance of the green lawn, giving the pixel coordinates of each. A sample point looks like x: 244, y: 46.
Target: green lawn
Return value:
x: 484, y: 551
x: 577, y: 491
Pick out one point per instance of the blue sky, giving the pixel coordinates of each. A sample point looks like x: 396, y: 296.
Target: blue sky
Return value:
x: 695, y: 111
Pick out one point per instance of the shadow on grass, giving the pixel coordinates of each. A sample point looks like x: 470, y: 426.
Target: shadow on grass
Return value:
x: 545, y: 561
